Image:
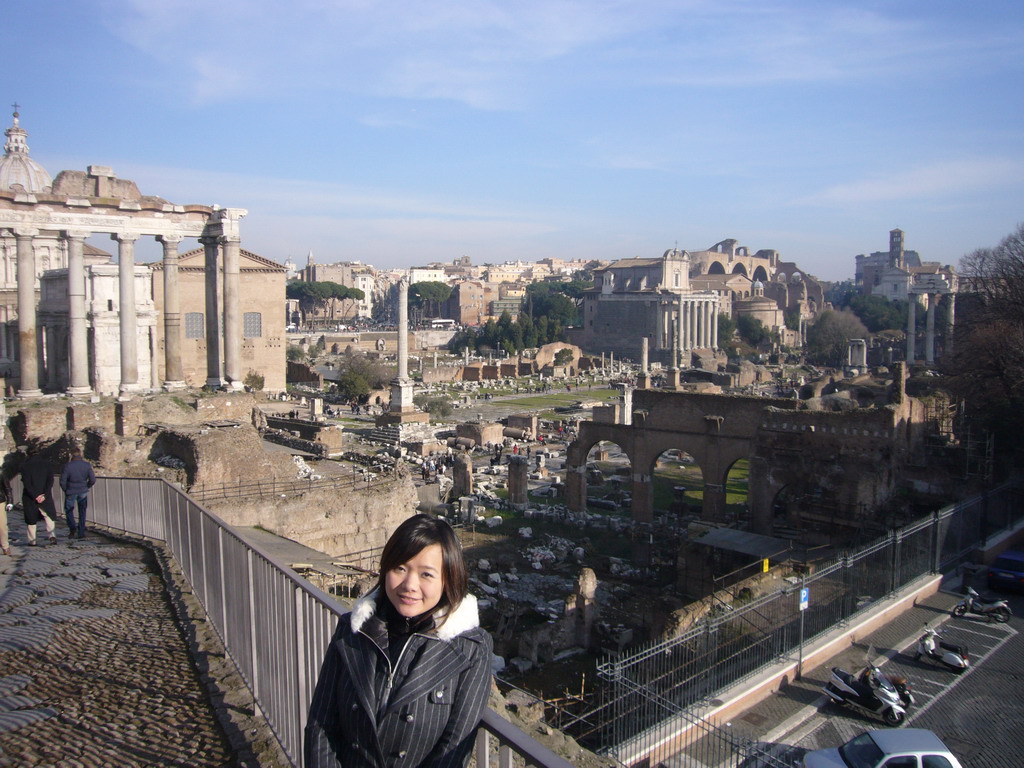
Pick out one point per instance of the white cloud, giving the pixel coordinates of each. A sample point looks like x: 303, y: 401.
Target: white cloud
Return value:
x: 925, y: 182
x: 504, y: 54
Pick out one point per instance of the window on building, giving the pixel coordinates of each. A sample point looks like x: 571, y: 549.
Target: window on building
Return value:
x: 194, y: 326
x: 252, y: 325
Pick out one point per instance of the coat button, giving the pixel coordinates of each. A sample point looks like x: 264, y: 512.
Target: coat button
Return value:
x: 355, y: 707
x: 401, y: 754
x: 439, y: 693
x: 409, y: 718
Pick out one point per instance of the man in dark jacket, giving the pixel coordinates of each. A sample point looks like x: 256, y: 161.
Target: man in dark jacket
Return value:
x: 76, y: 480
x: 37, y: 494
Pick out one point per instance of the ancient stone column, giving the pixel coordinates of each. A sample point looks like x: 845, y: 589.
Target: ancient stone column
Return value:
x: 951, y: 327
x: 714, y: 326
x: 126, y: 313
x: 28, y: 350
x: 643, y: 379
x: 680, y: 345
x: 232, y: 313
x: 627, y: 404
x: 174, y: 377
x: 403, y: 329
x: 929, y: 330
x: 462, y: 476
x: 911, y: 327
x: 78, y: 340
x: 706, y: 311
x: 213, y: 375
x: 518, y: 468
x: 692, y: 310
x: 684, y: 317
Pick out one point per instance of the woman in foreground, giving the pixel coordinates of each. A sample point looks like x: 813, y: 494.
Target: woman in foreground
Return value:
x: 408, y: 671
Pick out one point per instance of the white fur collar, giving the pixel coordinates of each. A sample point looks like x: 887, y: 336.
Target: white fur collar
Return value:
x: 465, y: 618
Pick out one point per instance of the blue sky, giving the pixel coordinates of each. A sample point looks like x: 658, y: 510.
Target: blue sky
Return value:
x: 399, y: 133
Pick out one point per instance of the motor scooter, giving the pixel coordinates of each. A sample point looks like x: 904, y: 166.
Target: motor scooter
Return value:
x: 949, y: 655
x: 992, y: 609
x: 876, y: 694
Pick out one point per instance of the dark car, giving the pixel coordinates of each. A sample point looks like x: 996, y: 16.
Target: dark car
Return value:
x: 1007, y: 572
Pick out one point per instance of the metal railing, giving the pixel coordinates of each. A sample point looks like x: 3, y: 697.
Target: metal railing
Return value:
x: 271, y: 487
x: 652, y: 694
x: 274, y: 626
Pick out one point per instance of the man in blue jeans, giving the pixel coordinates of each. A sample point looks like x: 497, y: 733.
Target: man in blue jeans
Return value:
x: 76, y: 480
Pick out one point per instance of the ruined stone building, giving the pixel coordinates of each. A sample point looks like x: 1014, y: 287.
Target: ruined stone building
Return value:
x: 67, y: 345
x: 675, y: 301
x: 351, y: 274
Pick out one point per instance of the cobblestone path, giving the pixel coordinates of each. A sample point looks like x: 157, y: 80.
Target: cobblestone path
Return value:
x: 94, y: 669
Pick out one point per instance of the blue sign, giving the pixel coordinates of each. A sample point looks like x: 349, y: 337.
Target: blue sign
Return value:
x: 805, y: 598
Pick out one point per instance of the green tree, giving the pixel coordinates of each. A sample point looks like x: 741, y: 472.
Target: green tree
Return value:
x: 829, y: 337
x: 295, y: 353
x: 878, y: 313
x: 726, y: 331
x: 254, y: 381
x: 428, y: 296
x: 752, y: 330
x: 352, y: 385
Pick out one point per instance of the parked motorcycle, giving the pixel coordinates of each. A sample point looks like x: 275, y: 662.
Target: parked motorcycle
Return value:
x: 949, y: 655
x: 876, y: 694
x: 992, y: 609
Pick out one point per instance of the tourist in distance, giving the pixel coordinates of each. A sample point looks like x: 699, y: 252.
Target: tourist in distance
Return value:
x: 76, y: 480
x: 37, y: 494
x: 408, y: 671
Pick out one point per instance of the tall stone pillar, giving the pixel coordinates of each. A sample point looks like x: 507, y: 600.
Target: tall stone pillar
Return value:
x: 706, y: 331
x: 462, y: 475
x: 929, y: 330
x: 680, y: 347
x: 714, y: 325
x: 627, y: 404
x: 950, y: 328
x: 126, y: 313
x: 174, y: 377
x: 78, y: 341
x: 911, y: 328
x: 693, y: 325
x: 403, y: 329
x: 28, y: 343
x: 50, y: 356
x: 684, y: 325
x: 518, y: 483
x: 643, y: 379
x: 211, y: 246
x: 232, y: 313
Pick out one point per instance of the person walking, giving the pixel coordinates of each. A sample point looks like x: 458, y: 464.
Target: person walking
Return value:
x: 76, y: 480
x: 408, y: 672
x: 37, y: 494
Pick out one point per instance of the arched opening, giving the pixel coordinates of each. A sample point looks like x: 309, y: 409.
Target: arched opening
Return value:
x: 677, y: 485
x: 761, y: 274
x: 740, y: 269
x: 737, y: 488
x: 608, y: 477
x: 716, y: 268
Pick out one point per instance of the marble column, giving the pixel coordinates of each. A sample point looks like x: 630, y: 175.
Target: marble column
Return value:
x: 211, y: 252
x: 706, y: 312
x: 714, y: 325
x: 684, y: 312
x: 127, y: 319
x: 692, y: 308
x: 929, y: 330
x: 677, y: 346
x: 28, y: 344
x: 78, y: 341
x: 911, y: 327
x: 174, y: 377
x: 232, y: 313
x: 50, y: 357
x: 950, y: 328
x: 403, y: 329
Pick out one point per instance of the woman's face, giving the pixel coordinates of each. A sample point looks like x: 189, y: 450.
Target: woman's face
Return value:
x: 416, y: 586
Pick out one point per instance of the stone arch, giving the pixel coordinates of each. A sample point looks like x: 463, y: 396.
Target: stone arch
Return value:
x: 760, y: 273
x: 740, y: 269
x: 716, y: 268
x: 677, y: 483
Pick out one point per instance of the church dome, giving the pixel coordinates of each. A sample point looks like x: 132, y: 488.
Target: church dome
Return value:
x: 17, y: 169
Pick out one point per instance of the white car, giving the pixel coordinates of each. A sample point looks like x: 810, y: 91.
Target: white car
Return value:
x: 895, y: 748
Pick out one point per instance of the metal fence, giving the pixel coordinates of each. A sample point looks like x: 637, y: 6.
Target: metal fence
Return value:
x: 656, y: 693
x: 271, y: 487
x: 274, y: 626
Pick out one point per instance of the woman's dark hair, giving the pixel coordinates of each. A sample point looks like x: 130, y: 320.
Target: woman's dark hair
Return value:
x: 410, y: 538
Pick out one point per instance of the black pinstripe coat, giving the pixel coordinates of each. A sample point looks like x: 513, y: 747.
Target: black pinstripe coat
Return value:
x: 424, y: 713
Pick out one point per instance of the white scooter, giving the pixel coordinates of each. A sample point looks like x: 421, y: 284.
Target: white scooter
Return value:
x: 949, y: 655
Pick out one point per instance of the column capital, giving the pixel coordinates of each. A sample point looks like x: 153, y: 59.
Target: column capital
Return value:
x: 76, y: 234
x: 23, y: 232
x: 124, y: 237
x: 169, y: 239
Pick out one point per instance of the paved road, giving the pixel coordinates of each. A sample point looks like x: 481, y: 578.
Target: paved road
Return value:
x: 978, y: 714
